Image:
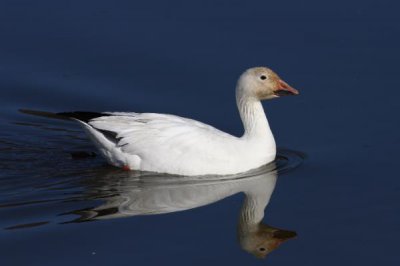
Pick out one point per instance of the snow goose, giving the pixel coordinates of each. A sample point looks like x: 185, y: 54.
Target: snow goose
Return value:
x: 175, y: 145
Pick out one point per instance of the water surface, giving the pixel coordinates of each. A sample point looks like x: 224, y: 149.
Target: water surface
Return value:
x: 184, y: 57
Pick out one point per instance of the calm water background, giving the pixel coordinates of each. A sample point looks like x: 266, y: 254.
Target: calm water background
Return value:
x: 183, y: 57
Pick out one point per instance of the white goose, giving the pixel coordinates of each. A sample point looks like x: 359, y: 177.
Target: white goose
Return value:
x: 171, y: 144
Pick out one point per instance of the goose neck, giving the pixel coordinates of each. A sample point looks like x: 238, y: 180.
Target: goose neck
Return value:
x: 253, y: 117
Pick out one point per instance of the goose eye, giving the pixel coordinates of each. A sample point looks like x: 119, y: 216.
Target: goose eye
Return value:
x: 263, y: 77
x: 261, y: 249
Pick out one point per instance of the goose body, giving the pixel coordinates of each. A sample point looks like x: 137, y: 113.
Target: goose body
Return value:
x: 171, y: 144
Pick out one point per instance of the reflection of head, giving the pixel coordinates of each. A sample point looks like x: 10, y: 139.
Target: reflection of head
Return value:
x: 263, y: 239
x: 254, y: 236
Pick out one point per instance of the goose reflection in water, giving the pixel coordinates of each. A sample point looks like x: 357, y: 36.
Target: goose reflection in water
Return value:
x: 129, y: 194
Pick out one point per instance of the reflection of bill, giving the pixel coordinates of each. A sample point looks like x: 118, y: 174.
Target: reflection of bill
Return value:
x: 128, y: 194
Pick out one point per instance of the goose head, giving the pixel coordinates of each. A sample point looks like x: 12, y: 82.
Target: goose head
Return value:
x: 262, y: 83
x: 264, y: 239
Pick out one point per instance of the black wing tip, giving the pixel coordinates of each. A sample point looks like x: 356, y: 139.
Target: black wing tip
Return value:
x: 79, y: 115
x: 82, y: 115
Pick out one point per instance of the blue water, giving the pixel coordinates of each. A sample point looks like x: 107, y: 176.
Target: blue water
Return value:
x: 184, y: 57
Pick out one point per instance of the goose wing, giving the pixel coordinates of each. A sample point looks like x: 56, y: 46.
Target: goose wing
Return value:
x: 144, y: 133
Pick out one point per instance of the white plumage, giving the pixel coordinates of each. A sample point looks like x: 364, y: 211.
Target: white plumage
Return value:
x: 176, y: 145
x: 170, y: 144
